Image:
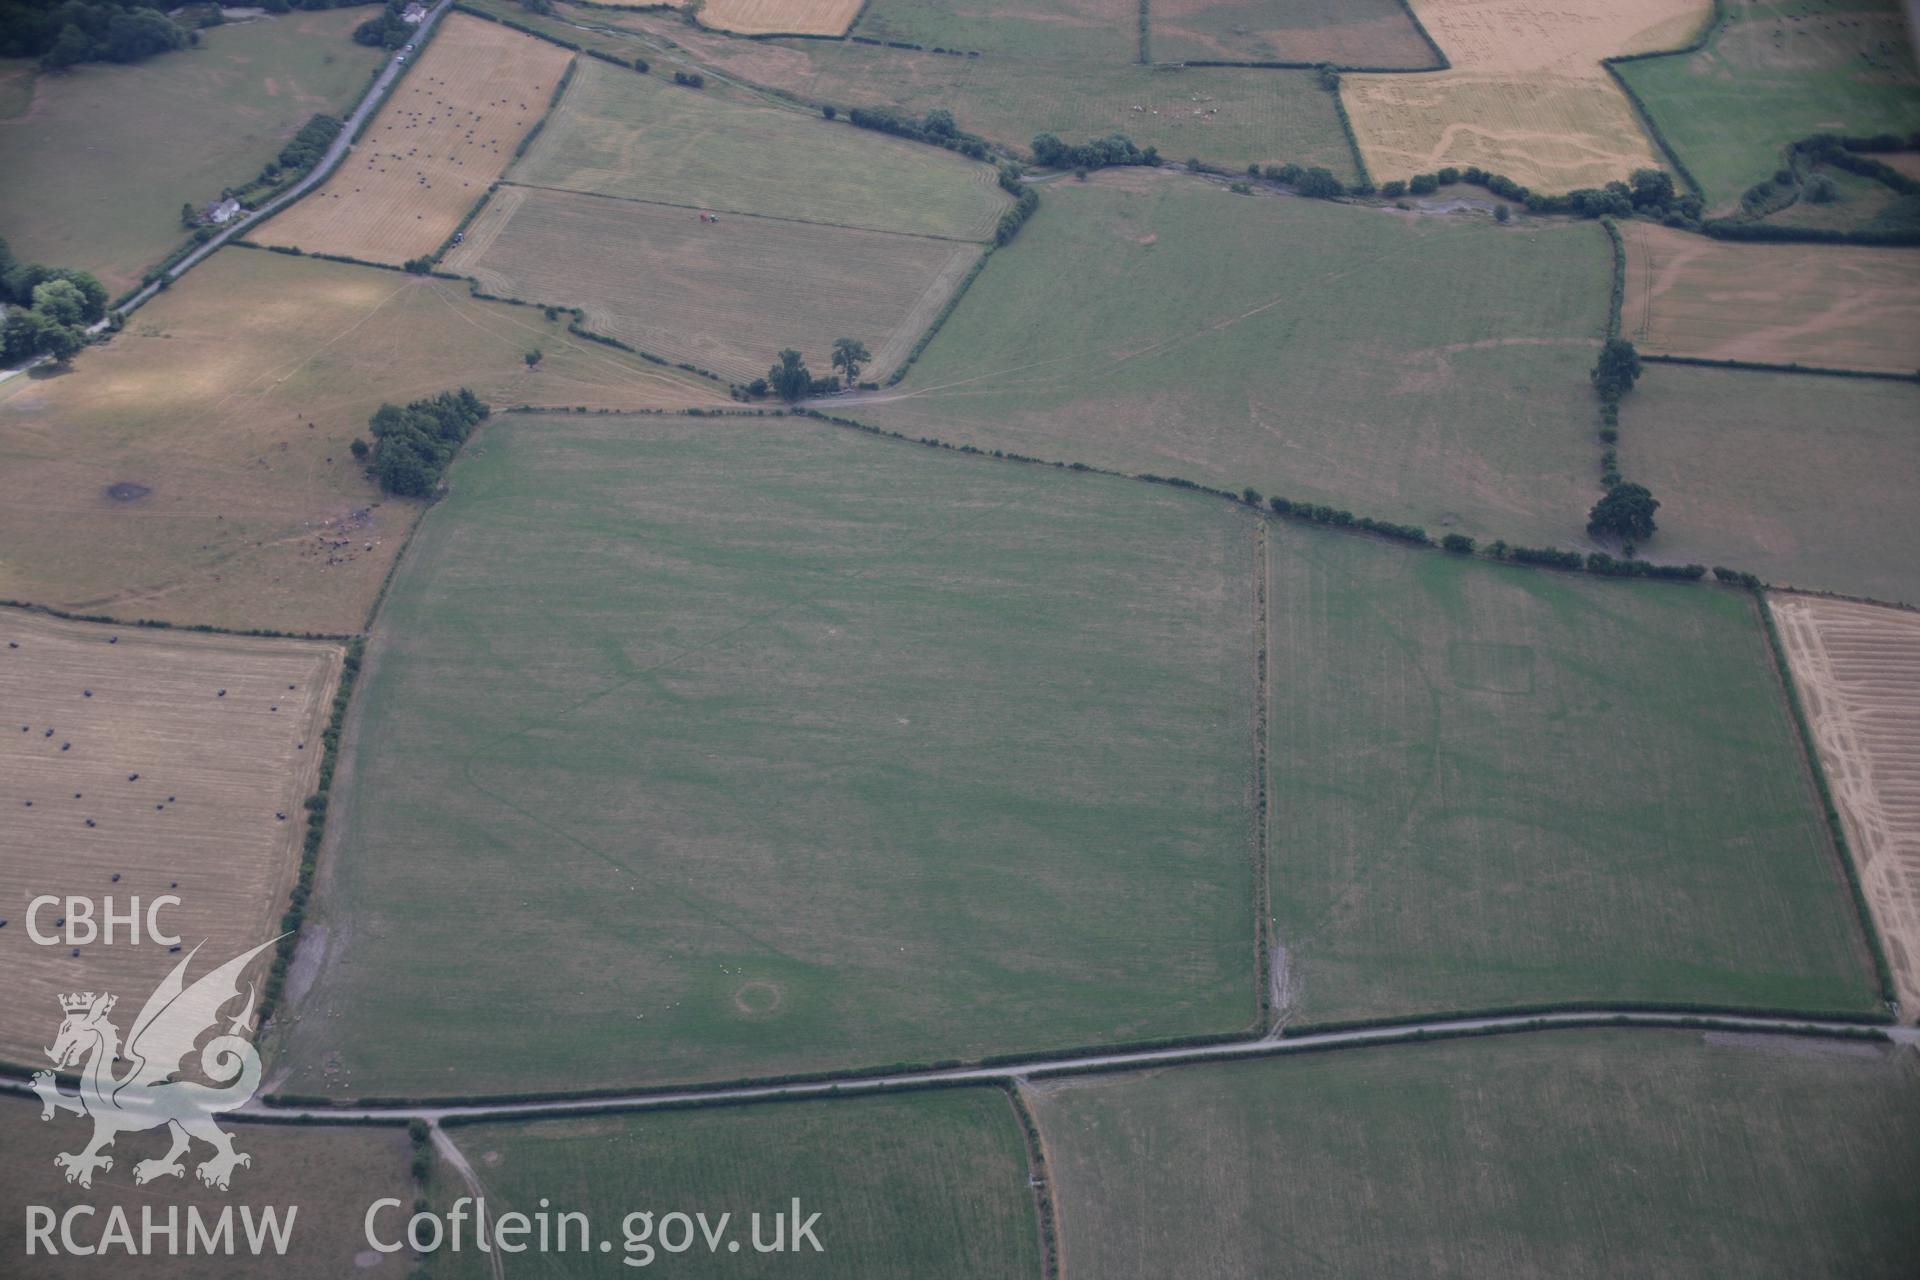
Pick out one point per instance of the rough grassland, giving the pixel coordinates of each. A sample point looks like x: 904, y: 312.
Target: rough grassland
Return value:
x: 1225, y: 117
x: 90, y: 706
x: 646, y: 138
x: 1775, y: 72
x: 1154, y: 323
x: 98, y: 167
x: 1370, y: 33
x: 255, y: 518
x: 447, y: 131
x: 724, y: 296
x: 1578, y: 1153
x: 1832, y: 306
x: 1091, y: 31
x: 1526, y: 95
x: 786, y: 749
x: 803, y: 17
x: 1858, y: 671
x: 1804, y: 480
x: 330, y: 1174
x: 1495, y: 786
x: 927, y: 1185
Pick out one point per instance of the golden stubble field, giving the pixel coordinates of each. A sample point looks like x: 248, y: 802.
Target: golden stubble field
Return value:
x: 448, y: 130
x: 137, y: 763
x: 765, y: 17
x: 1857, y: 667
x: 725, y: 294
x: 1837, y: 306
x: 1526, y: 95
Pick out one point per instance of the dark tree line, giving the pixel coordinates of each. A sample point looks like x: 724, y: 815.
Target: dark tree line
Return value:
x: 1116, y: 149
x: 413, y: 445
x: 936, y: 128
x: 386, y: 31
x: 70, y: 32
x: 48, y: 309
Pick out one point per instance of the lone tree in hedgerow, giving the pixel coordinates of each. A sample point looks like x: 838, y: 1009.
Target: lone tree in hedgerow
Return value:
x: 848, y: 355
x: 1626, y: 513
x: 789, y: 377
x: 1617, y: 371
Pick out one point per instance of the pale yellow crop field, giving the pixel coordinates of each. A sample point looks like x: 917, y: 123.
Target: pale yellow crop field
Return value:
x: 1857, y: 667
x: 1526, y: 96
x: 765, y: 17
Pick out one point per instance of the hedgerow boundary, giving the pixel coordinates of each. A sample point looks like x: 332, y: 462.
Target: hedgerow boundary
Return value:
x: 1039, y: 1179
x: 1836, y: 829
x: 1715, y: 18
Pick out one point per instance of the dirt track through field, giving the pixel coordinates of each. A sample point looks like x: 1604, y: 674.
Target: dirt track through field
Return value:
x: 1857, y: 667
x: 1836, y: 306
x: 447, y: 132
x: 140, y: 763
x: 1526, y: 96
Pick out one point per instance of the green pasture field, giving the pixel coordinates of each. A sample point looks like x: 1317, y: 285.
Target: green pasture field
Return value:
x: 100, y: 163
x: 1365, y: 33
x: 1098, y: 31
x: 328, y: 1174
x: 1571, y: 1153
x: 231, y: 399
x: 928, y: 1185
x: 1496, y: 786
x: 714, y: 748
x: 16, y: 86
x: 643, y: 137
x: 1328, y: 354
x: 1807, y: 481
x: 1774, y: 72
x: 1225, y: 117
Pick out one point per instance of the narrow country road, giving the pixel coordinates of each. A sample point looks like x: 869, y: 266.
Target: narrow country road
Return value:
x: 1267, y: 1046
x: 375, y: 95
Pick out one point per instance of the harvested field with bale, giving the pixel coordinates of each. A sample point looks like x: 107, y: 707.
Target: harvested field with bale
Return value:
x: 1829, y: 306
x: 448, y: 129
x: 784, y: 749
x: 196, y: 468
x: 763, y: 17
x: 1857, y: 667
x: 1572, y: 789
x: 1526, y: 95
x: 1804, y: 479
x: 1585, y: 1155
x: 724, y: 293
x: 1365, y: 33
x: 135, y: 763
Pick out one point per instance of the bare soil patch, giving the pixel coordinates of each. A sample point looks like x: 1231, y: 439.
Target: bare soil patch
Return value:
x: 1857, y: 668
x: 138, y: 763
x: 1838, y: 306
x: 448, y: 130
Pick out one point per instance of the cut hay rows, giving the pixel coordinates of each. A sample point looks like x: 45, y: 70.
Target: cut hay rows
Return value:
x: 766, y: 17
x: 447, y: 132
x: 726, y: 294
x: 1857, y: 667
x: 1833, y: 306
x: 183, y: 786
x: 1527, y: 94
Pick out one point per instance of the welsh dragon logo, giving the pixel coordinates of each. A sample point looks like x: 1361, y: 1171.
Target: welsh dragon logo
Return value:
x: 146, y: 1096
